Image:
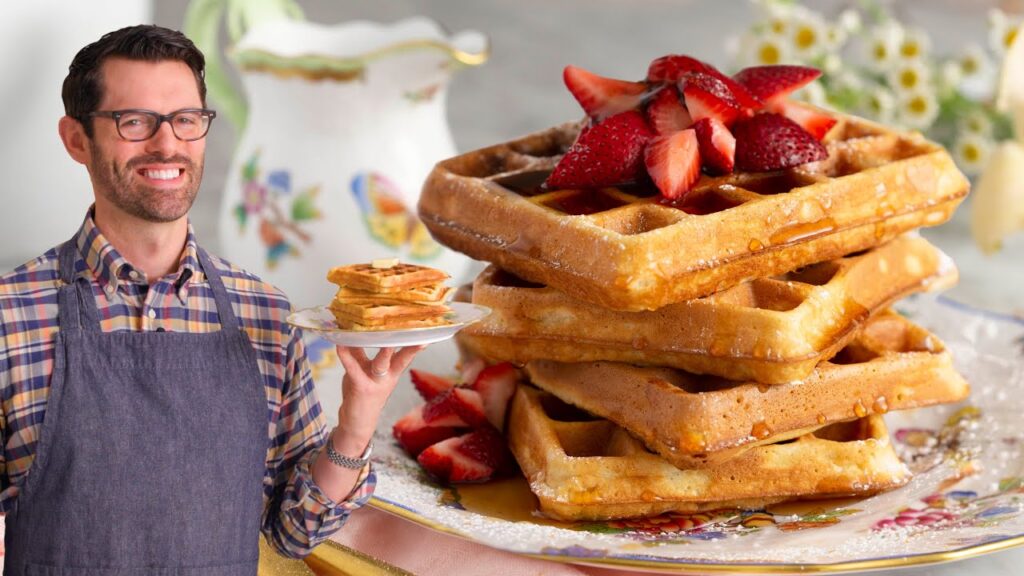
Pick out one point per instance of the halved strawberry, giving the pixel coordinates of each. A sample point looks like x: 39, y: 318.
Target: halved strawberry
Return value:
x: 609, y: 153
x: 769, y: 83
x: 673, y: 162
x: 717, y: 146
x: 675, y: 67
x: 771, y: 141
x: 455, y: 407
x: 470, y: 368
x: 413, y: 434
x: 472, y: 457
x: 496, y: 384
x: 816, y: 122
x: 709, y: 97
x: 602, y: 97
x: 429, y: 385
x: 669, y: 69
x: 666, y: 113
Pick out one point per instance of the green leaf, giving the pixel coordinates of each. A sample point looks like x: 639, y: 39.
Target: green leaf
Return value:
x: 251, y: 171
x: 1014, y: 483
x: 242, y: 215
x: 304, y: 206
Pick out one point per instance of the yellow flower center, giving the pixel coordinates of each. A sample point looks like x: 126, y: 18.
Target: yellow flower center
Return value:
x: 777, y: 26
x: 909, y: 78
x: 917, y: 105
x: 910, y: 49
x: 970, y: 152
x: 805, y: 37
x: 769, y: 54
x: 1010, y: 36
x: 969, y: 65
x: 881, y: 52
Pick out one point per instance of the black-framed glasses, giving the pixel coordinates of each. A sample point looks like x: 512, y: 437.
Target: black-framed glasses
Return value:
x: 138, y: 125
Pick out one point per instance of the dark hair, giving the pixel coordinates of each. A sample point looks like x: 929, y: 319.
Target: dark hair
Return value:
x: 83, y: 88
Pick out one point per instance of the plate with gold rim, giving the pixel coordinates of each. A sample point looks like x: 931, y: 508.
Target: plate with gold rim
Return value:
x: 320, y: 320
x: 966, y: 497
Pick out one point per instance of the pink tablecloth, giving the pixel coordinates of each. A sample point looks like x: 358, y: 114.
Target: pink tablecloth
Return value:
x: 420, y: 550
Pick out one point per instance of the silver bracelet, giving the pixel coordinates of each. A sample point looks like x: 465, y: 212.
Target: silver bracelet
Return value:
x: 348, y: 461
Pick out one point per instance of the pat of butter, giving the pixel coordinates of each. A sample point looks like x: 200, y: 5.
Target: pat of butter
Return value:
x: 384, y: 263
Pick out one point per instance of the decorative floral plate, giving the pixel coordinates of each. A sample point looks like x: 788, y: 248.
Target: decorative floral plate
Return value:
x: 967, y: 496
x: 321, y: 321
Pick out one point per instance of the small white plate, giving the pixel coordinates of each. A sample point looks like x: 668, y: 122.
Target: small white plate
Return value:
x: 321, y: 321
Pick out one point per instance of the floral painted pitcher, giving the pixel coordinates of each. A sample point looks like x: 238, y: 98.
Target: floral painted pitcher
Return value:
x: 340, y: 127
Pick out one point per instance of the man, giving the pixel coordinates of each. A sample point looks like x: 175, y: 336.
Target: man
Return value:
x: 158, y: 412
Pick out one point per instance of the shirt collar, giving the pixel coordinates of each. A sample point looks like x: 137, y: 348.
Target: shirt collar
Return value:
x: 111, y: 269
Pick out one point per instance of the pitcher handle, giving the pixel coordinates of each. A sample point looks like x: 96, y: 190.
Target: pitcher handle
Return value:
x: 202, y: 25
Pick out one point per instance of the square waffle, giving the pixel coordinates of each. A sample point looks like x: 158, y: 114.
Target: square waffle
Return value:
x: 583, y: 468
x: 627, y: 249
x: 395, y: 279
x: 699, y: 421
x: 771, y: 330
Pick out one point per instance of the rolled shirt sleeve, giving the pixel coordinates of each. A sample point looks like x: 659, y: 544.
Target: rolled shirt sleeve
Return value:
x: 297, y: 514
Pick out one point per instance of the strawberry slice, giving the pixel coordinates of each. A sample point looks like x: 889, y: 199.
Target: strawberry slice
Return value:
x: 429, y: 385
x: 709, y: 97
x: 666, y: 113
x: 771, y: 141
x: 496, y: 384
x: 671, y: 68
x: 717, y: 146
x: 602, y: 97
x: 816, y: 122
x: 455, y: 407
x: 673, y: 162
x: 413, y: 434
x: 609, y: 153
x: 769, y: 83
x: 472, y: 457
x: 470, y: 368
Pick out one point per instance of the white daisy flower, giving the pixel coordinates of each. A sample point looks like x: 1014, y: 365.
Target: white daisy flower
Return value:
x: 974, y: 61
x: 849, y: 20
x: 775, y: 16
x: 950, y: 75
x: 972, y: 152
x: 917, y: 109
x: 976, y: 123
x: 831, y: 64
x: 880, y: 105
x: 835, y: 37
x: 1002, y: 30
x: 812, y: 93
x: 883, y: 45
x: 807, y: 35
x: 915, y: 45
x: 848, y: 80
x: 763, y: 50
x: 909, y: 77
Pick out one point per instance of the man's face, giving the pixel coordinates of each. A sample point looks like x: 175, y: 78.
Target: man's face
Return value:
x: 155, y: 180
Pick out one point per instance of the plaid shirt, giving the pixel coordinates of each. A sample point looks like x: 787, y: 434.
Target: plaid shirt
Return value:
x: 297, y: 515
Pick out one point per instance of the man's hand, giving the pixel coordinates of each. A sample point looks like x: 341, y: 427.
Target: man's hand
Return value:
x: 364, y: 390
x: 367, y: 385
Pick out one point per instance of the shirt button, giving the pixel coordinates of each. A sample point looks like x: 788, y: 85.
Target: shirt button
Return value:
x: 109, y: 289
x: 134, y: 275
x: 151, y: 313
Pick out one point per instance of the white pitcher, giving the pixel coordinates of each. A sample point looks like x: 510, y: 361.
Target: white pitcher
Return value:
x: 342, y: 126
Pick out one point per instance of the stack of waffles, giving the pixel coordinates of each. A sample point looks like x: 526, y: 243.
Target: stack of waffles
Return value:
x: 388, y: 295
x: 734, y: 347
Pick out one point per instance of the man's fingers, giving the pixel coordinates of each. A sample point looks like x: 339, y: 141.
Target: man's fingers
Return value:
x: 403, y: 357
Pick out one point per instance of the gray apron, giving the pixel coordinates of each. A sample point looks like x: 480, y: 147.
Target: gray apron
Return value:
x: 152, y: 452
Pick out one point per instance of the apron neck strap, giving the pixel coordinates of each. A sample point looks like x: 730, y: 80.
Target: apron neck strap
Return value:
x: 220, y: 294
x: 76, y: 303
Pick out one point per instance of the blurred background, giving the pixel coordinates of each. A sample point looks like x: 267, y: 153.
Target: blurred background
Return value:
x: 516, y: 91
